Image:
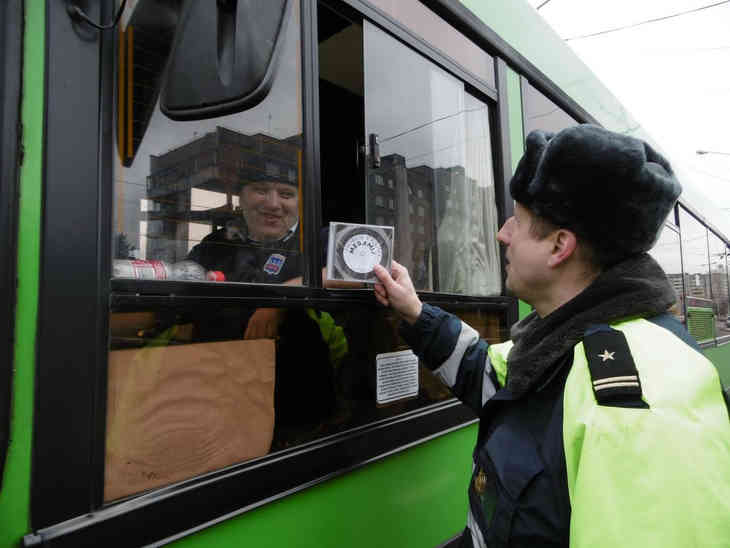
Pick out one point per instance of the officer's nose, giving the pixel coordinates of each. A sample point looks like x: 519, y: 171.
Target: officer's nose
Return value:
x: 505, y: 233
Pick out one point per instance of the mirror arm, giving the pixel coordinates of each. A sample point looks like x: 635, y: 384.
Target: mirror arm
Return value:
x: 77, y: 14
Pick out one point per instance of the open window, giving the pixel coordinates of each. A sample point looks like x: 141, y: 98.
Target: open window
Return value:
x: 420, y: 138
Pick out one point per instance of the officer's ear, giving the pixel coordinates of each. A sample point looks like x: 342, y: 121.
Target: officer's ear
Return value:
x: 564, y: 244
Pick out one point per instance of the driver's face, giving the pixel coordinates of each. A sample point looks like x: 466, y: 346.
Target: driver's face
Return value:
x: 270, y: 209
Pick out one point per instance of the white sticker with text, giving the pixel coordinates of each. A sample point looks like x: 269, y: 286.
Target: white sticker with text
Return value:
x: 397, y: 376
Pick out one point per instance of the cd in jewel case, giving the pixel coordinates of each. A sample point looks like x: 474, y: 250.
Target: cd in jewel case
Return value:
x: 354, y: 249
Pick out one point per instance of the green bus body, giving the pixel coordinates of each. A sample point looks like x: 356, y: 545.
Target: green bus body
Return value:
x: 414, y: 498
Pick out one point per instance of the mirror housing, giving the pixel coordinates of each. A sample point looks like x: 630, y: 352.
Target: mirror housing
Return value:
x: 224, y: 57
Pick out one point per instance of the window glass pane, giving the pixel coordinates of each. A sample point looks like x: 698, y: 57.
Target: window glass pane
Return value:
x: 438, y: 33
x: 223, y: 192
x: 667, y: 252
x: 188, y: 395
x: 437, y: 150
x: 719, y: 284
x: 539, y: 112
x: 700, y: 312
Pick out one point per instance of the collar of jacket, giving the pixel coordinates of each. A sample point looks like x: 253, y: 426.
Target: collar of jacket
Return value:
x: 634, y: 287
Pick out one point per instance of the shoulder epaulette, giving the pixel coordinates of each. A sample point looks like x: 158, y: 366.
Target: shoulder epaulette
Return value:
x: 613, y: 371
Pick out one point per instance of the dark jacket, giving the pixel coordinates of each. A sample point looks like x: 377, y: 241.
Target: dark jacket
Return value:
x: 549, y: 437
x: 244, y: 260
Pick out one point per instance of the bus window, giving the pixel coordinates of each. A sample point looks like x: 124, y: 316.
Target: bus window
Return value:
x: 426, y: 164
x: 539, y: 112
x: 719, y: 284
x: 183, y: 401
x: 216, y: 199
x: 426, y: 24
x: 668, y: 254
x: 698, y: 298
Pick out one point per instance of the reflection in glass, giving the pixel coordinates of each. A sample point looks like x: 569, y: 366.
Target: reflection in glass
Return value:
x: 539, y: 112
x: 437, y: 152
x: 438, y: 33
x: 667, y: 252
x: 187, y: 398
x: 225, y: 192
x: 700, y: 310
x: 719, y: 284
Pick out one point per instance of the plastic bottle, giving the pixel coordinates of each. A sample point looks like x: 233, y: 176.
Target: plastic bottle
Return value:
x: 141, y: 270
x: 160, y: 270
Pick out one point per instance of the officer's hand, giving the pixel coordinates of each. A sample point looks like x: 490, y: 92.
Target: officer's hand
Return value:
x: 264, y: 324
x: 397, y: 291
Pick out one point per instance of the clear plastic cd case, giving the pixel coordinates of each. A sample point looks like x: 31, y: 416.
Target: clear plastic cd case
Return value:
x: 355, y: 249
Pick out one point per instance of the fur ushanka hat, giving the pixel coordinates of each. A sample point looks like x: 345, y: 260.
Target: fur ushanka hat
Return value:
x: 612, y: 190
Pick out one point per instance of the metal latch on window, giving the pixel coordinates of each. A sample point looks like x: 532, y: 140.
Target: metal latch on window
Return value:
x: 374, y: 150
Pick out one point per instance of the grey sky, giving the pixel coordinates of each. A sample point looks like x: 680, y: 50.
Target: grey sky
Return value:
x: 671, y: 75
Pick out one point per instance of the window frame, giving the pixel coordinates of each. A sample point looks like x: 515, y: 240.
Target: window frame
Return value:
x: 11, y: 37
x: 709, y: 229
x: 71, y: 380
x: 524, y: 84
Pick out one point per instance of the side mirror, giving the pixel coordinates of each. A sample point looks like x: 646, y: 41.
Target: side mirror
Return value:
x: 224, y: 57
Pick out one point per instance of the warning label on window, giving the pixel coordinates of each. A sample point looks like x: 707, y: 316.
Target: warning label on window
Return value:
x: 397, y: 376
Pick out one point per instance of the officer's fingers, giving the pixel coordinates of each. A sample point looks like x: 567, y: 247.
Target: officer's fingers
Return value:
x: 382, y: 299
x: 398, y: 270
x: 380, y: 291
x: 385, y: 278
x: 400, y: 273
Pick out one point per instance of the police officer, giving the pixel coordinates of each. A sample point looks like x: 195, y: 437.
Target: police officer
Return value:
x: 601, y: 422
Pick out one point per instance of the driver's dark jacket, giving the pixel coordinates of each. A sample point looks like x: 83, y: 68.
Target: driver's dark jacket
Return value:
x: 303, y: 394
x: 249, y: 261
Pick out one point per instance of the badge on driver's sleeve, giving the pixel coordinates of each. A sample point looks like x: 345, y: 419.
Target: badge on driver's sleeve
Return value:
x: 274, y: 264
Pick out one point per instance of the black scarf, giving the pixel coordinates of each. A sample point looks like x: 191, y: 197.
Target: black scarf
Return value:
x: 634, y: 287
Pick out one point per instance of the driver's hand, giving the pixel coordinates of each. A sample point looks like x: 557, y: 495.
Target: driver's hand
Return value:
x: 396, y: 290
x: 264, y: 324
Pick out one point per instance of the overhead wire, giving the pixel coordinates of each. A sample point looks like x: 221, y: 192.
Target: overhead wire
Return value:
x: 655, y: 20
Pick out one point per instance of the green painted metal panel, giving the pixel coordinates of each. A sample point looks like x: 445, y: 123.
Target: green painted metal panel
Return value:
x: 720, y: 356
x: 514, y: 109
x: 516, y: 141
x: 416, y: 498
x: 15, y: 494
x: 701, y: 323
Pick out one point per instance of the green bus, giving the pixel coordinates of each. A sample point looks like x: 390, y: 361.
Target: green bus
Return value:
x: 181, y: 365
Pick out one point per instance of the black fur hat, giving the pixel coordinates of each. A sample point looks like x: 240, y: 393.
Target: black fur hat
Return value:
x: 612, y: 190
